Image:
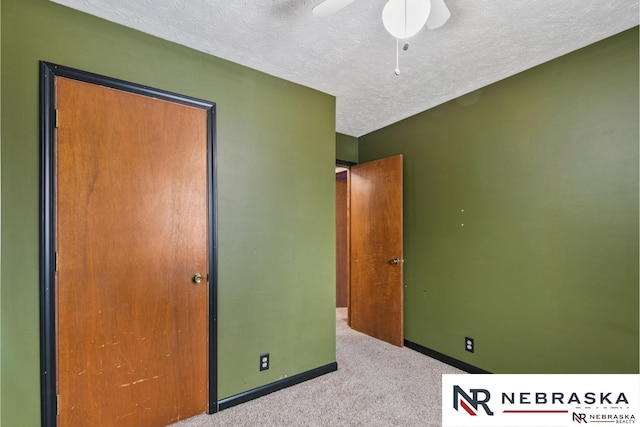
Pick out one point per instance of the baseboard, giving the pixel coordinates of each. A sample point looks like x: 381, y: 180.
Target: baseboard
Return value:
x: 275, y: 386
x: 445, y: 359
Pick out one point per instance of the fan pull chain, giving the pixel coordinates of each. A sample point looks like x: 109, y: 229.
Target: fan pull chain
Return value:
x: 397, y: 70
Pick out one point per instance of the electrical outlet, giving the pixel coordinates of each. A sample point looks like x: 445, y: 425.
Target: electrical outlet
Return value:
x: 264, y: 362
x: 469, y: 344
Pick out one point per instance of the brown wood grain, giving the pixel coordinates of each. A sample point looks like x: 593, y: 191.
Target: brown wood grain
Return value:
x: 342, y: 260
x: 131, y: 233
x: 376, y: 238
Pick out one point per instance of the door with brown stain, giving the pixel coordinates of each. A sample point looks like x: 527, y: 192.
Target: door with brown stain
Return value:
x: 376, y: 249
x: 131, y: 233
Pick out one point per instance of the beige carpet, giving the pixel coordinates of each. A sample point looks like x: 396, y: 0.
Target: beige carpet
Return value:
x: 376, y: 384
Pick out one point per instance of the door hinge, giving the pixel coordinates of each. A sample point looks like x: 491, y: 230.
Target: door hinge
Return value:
x: 57, y: 404
x: 55, y: 113
x: 56, y: 261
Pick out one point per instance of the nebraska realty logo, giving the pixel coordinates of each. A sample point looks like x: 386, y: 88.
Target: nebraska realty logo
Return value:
x: 459, y: 396
x: 539, y: 400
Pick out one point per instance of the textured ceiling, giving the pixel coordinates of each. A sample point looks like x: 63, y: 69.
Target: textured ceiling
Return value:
x: 350, y: 54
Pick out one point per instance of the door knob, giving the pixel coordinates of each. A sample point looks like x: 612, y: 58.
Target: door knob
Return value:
x: 394, y: 261
x: 197, y: 278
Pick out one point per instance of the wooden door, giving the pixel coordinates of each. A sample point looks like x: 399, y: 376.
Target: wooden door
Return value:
x: 132, y: 200
x: 376, y: 249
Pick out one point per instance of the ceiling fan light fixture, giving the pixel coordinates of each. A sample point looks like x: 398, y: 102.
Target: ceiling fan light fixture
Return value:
x: 404, y: 18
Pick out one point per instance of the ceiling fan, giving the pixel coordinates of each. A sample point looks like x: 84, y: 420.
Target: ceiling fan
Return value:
x: 402, y: 18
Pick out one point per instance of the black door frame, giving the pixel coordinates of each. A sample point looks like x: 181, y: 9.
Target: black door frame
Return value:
x: 48, y: 72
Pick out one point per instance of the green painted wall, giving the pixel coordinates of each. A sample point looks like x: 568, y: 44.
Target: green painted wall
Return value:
x: 276, y: 153
x: 544, y: 273
x: 346, y: 148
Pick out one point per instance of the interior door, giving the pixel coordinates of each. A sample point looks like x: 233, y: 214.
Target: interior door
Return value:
x: 132, y: 227
x: 376, y: 249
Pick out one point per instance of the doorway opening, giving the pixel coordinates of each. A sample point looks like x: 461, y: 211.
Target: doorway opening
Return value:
x: 342, y: 237
x: 369, y: 247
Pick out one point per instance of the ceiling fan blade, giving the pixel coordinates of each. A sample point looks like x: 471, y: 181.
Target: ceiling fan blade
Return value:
x: 329, y: 7
x: 439, y: 14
